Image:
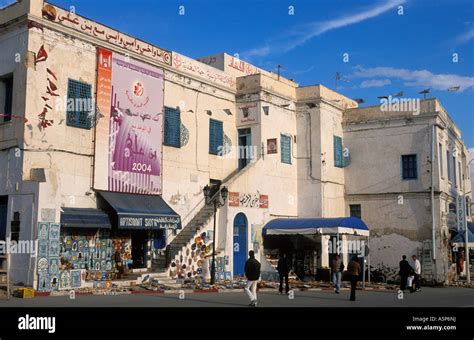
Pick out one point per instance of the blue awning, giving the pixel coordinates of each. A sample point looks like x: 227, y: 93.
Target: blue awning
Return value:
x: 84, y: 218
x: 141, y: 211
x: 308, y: 226
x: 461, y: 236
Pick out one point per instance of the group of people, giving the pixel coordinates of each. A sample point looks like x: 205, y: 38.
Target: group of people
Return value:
x: 410, y: 274
x: 252, y: 272
x: 353, y: 271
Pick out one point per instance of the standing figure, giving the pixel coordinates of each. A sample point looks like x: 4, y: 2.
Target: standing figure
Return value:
x: 337, y: 268
x: 118, y: 264
x: 417, y: 273
x: 405, y: 270
x: 284, y: 267
x: 252, y: 272
x: 353, y: 269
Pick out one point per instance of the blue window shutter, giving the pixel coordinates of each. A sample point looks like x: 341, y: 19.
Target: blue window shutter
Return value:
x: 216, y: 136
x: 285, y: 146
x: 79, y: 116
x: 338, y: 159
x: 172, y: 127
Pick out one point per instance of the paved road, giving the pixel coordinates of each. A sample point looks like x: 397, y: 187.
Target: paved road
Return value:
x: 429, y: 297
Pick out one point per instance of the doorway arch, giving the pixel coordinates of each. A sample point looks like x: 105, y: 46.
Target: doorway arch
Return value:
x: 240, y: 243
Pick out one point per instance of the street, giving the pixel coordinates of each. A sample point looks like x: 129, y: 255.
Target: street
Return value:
x: 428, y: 297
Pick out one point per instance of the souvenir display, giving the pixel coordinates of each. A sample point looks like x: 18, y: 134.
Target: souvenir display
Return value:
x: 54, y: 232
x: 54, y: 265
x: 53, y: 248
x: 65, y: 279
x: 75, y: 278
x: 43, y: 246
x: 43, y: 265
x: 54, y: 281
x: 43, y: 231
x: 44, y: 283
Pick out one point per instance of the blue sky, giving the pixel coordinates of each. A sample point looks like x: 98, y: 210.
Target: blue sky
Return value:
x: 387, y: 52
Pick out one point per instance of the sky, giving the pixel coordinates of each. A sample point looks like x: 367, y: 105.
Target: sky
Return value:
x: 388, y: 48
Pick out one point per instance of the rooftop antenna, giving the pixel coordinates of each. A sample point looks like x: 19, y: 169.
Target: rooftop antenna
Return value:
x: 279, y: 66
x: 424, y: 92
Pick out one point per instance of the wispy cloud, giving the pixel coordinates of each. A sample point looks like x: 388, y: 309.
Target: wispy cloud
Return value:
x: 375, y: 83
x: 465, y: 37
x: 420, y: 78
x: 301, y: 34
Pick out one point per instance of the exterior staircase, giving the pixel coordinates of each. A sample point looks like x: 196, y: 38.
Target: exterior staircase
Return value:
x: 194, y: 227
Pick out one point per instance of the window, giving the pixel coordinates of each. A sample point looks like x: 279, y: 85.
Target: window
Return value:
x: 172, y: 127
x: 460, y: 174
x: 6, y: 98
x: 355, y: 210
x: 409, y: 167
x: 79, y: 101
x: 441, y: 165
x: 455, y: 178
x: 285, y: 146
x: 338, y: 160
x: 448, y: 163
x: 216, y: 136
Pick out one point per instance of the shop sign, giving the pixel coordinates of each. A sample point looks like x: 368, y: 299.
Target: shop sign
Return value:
x: 247, y: 200
x: 162, y: 222
x: 272, y: 146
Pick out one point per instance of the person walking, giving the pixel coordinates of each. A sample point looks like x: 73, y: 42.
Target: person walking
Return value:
x: 252, y: 272
x: 118, y: 264
x: 283, y: 268
x: 405, y: 270
x: 353, y: 269
x: 337, y: 267
x: 417, y: 273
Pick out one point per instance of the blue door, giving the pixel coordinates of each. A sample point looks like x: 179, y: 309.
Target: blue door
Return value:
x: 240, y: 243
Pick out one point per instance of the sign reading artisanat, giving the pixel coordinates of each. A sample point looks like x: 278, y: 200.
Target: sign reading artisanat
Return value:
x: 160, y: 222
x: 246, y: 200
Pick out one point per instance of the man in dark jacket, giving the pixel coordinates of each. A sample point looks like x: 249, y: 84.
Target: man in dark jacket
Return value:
x: 252, y: 272
x: 284, y: 267
x: 353, y: 270
x: 405, y: 270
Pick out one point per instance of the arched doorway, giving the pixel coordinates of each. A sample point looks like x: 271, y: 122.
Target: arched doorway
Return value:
x: 240, y: 243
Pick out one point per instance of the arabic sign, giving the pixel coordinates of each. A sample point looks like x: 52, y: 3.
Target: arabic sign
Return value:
x: 460, y: 211
x: 272, y: 146
x: 130, y: 95
x: 71, y: 20
x: 196, y: 68
x: 247, y: 114
x: 245, y: 200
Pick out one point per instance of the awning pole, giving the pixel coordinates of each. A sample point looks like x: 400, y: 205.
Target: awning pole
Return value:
x: 368, y: 257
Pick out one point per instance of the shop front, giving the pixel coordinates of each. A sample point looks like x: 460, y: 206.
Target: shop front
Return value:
x: 141, y: 222
x: 311, y: 243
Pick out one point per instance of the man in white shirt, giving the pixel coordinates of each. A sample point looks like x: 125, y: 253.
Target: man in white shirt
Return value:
x: 417, y: 271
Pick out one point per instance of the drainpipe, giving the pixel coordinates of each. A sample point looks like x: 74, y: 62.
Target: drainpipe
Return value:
x: 433, y: 223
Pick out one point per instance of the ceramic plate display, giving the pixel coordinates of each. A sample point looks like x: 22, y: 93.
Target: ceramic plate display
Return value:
x: 54, y: 265
x: 43, y: 246
x: 44, y: 284
x: 54, y: 231
x: 42, y: 264
x: 65, y: 279
x: 53, y: 248
x: 54, y: 281
x: 43, y: 231
x: 75, y: 278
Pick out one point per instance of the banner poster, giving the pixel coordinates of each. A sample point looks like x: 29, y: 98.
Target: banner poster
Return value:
x: 134, y: 91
